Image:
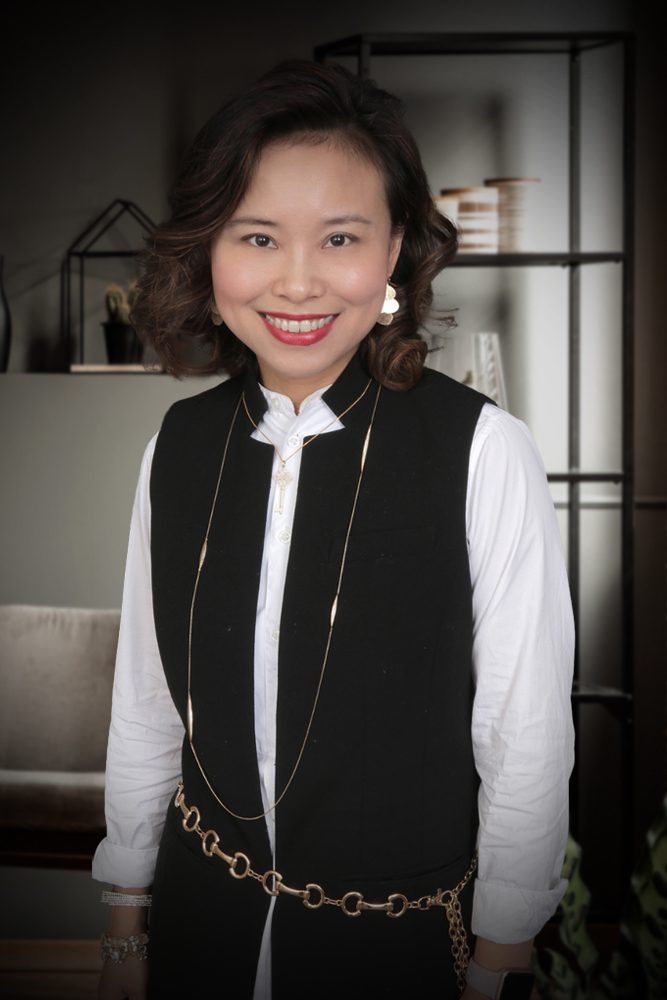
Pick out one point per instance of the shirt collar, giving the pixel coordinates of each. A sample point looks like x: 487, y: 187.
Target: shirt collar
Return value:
x: 283, y: 404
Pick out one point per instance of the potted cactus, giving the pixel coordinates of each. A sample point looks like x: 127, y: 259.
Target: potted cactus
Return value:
x: 122, y: 343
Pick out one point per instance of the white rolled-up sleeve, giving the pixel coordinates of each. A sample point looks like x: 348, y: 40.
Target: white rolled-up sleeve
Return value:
x: 145, y: 735
x: 523, y: 654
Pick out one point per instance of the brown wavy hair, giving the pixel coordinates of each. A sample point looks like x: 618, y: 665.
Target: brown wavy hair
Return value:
x: 302, y: 101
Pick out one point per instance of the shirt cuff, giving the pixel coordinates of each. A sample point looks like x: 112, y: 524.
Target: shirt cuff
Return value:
x: 508, y: 914
x: 123, y: 866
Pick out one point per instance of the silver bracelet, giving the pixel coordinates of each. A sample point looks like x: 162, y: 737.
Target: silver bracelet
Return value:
x: 119, y: 948
x: 126, y: 899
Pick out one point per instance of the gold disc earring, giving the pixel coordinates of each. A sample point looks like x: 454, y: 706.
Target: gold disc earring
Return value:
x: 389, y: 306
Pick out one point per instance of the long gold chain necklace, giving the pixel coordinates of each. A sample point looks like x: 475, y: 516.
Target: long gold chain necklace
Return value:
x: 332, y: 611
x: 282, y: 477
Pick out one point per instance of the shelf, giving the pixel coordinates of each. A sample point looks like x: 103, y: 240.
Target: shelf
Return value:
x: 555, y: 258
x: 363, y: 52
x: 92, y: 254
x: 619, y: 703
x: 114, y: 370
x: 481, y: 43
x: 582, y: 692
x: 535, y: 259
x: 575, y: 476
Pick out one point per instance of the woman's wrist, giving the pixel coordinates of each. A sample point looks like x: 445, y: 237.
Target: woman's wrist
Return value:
x: 492, y: 955
x: 125, y: 921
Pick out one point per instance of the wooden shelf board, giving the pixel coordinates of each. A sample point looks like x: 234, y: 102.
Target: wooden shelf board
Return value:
x: 598, y: 693
x: 541, y: 259
x: 114, y: 370
x: 577, y: 476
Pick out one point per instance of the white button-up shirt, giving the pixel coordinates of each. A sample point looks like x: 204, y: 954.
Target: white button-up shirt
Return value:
x: 523, y: 644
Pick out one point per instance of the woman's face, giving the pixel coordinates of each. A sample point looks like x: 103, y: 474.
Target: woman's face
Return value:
x: 300, y: 270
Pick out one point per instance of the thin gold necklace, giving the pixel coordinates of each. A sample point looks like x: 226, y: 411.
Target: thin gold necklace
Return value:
x: 332, y: 611
x: 282, y: 477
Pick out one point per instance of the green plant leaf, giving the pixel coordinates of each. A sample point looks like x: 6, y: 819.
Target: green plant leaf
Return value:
x: 556, y: 978
x: 617, y: 982
x: 574, y: 907
x: 644, y: 924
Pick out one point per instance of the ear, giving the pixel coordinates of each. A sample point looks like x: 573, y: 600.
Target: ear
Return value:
x: 395, y: 248
x: 216, y: 318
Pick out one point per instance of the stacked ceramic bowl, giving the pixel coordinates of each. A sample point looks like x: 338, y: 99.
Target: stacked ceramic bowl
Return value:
x: 447, y: 204
x: 515, y: 196
x: 476, y: 215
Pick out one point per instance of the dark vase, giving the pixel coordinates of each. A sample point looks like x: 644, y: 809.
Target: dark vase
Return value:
x: 5, y: 324
x: 123, y: 344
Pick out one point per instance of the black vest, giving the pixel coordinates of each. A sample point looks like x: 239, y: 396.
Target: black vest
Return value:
x: 385, y: 797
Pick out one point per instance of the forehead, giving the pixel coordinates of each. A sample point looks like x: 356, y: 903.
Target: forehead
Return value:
x: 314, y: 176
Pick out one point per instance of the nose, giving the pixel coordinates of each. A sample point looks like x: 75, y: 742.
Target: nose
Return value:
x: 298, y: 278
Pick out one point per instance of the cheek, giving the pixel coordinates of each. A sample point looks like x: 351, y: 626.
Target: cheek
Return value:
x: 363, y: 284
x: 232, y: 282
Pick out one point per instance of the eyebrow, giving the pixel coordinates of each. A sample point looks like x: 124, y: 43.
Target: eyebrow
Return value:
x: 342, y: 220
x: 247, y: 221
x: 339, y: 220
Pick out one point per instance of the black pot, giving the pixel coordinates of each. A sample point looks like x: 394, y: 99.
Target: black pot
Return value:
x: 123, y: 344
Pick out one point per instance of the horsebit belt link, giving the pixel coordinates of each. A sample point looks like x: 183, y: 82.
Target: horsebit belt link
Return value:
x: 352, y: 903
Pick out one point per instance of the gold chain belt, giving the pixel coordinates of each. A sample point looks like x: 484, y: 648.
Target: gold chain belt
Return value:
x: 352, y: 903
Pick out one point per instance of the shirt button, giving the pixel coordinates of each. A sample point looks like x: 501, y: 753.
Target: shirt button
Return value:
x: 275, y: 402
x: 284, y: 535
x: 275, y: 635
x: 294, y: 440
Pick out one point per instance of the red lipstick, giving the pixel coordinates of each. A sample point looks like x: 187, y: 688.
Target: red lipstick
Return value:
x: 298, y: 339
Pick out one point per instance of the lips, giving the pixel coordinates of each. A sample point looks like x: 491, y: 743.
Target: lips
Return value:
x: 303, y: 329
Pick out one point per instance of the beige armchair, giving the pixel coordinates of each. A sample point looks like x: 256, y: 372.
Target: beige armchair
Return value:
x: 56, y: 677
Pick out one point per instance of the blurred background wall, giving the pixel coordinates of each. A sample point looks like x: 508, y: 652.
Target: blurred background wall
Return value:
x: 101, y: 103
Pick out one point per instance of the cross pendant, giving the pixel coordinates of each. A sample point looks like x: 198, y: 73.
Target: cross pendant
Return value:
x: 283, y: 478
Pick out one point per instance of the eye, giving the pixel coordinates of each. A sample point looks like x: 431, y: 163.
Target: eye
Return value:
x: 259, y: 240
x: 341, y: 240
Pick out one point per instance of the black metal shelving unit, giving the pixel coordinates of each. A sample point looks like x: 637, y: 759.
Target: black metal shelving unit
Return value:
x: 366, y: 47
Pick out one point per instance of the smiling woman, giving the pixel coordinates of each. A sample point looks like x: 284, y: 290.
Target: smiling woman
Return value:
x: 303, y: 293
x: 328, y: 115
x: 341, y: 732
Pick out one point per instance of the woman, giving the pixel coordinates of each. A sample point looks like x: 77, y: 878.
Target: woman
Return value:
x: 345, y: 595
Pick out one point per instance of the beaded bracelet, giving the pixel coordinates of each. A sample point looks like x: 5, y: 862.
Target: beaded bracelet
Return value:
x: 126, y: 899
x: 119, y: 948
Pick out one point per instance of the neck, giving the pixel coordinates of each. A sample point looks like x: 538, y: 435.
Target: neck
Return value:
x: 298, y: 389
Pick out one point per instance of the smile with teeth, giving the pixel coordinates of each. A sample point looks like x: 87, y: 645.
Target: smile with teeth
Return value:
x: 298, y: 326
